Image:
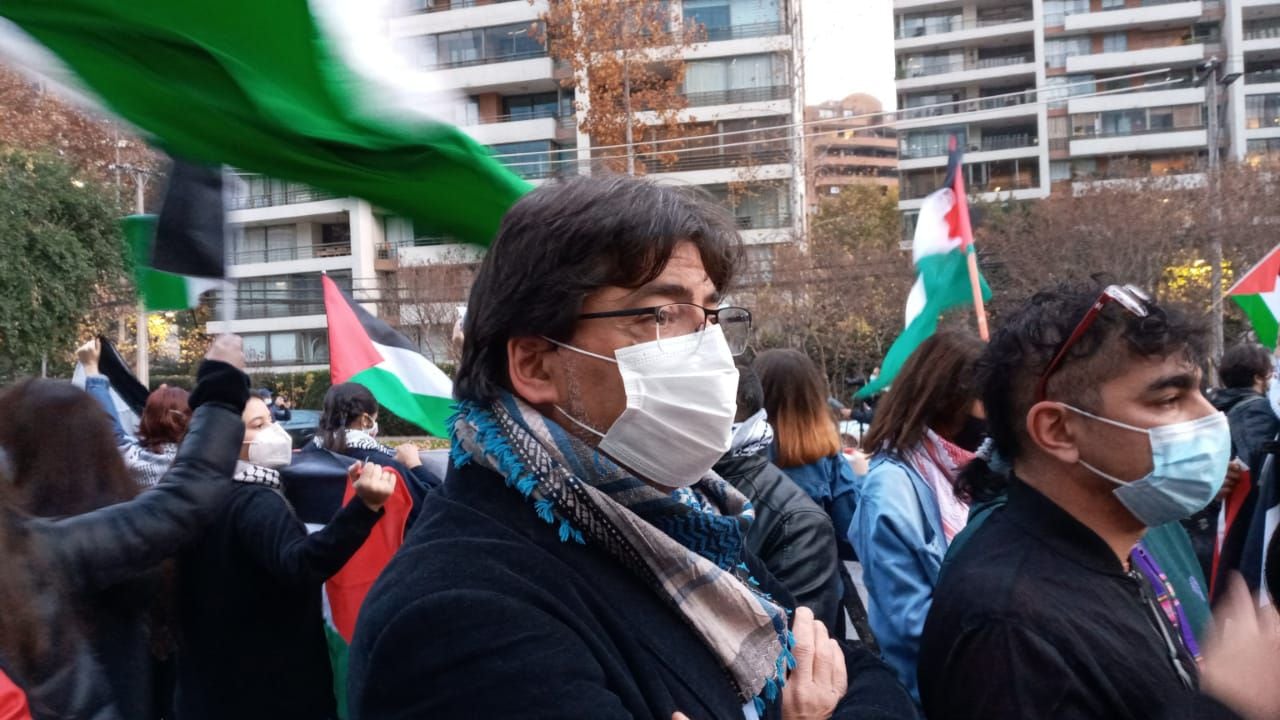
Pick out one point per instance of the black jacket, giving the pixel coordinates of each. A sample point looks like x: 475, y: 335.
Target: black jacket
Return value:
x: 791, y: 534
x: 98, y: 550
x: 484, y: 613
x: 1035, y: 617
x: 252, y: 641
x: 1253, y: 423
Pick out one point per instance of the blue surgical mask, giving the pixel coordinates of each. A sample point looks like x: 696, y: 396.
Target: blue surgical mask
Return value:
x: 1188, y: 466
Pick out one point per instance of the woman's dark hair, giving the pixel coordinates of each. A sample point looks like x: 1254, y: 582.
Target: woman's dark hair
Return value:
x: 795, y: 396
x: 62, y: 449
x: 164, y: 418
x: 934, y: 390
x: 23, y: 637
x: 1243, y: 364
x: 567, y: 239
x: 343, y: 403
x: 1010, y: 367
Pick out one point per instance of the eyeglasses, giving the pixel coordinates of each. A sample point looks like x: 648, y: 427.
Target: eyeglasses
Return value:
x: 1128, y: 297
x: 679, y: 319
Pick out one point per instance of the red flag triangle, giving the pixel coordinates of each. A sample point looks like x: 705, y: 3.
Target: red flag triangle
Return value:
x: 350, y: 349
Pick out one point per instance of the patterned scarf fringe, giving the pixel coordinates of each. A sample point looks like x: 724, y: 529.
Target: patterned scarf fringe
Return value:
x: 488, y: 434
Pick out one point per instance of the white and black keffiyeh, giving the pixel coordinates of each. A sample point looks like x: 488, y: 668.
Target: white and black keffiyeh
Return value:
x: 251, y: 474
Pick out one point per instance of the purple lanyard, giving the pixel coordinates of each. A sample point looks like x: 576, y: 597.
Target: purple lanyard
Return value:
x: 1164, y: 591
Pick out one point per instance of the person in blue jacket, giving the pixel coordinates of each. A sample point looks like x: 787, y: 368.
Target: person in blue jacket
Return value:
x: 925, y: 430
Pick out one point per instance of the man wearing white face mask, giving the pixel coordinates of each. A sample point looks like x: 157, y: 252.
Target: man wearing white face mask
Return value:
x: 253, y: 641
x: 1100, y: 432
x: 581, y: 559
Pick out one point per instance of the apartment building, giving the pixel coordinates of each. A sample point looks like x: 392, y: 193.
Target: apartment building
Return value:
x: 1042, y: 92
x: 745, y: 102
x: 845, y: 144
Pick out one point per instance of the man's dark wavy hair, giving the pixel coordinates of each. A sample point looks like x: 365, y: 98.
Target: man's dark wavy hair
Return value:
x: 1011, y: 364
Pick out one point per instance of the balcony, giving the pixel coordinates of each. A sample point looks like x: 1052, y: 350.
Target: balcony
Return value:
x: 1134, y: 59
x: 290, y: 197
x: 1138, y: 141
x: 954, y: 32
x: 431, y: 6
x: 704, y: 33
x: 1151, y: 13
x: 943, y: 68
x: 739, y: 95
x: 684, y: 161
x: 300, y: 252
x: 992, y: 108
x: 1262, y: 29
x: 760, y: 221
x: 939, y: 145
x: 521, y: 127
x: 1263, y: 76
x: 489, y: 59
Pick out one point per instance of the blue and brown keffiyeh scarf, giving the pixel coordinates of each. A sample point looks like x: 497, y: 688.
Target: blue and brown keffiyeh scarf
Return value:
x: 686, y: 545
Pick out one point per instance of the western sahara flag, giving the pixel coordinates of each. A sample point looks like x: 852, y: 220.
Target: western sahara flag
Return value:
x: 366, y: 350
x: 293, y: 89
x: 939, y: 249
x: 1258, y: 294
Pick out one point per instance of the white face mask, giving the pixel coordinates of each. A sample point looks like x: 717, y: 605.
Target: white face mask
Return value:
x: 681, y: 402
x: 271, y: 447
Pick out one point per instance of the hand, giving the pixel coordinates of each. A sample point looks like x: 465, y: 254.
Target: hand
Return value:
x: 1235, y: 471
x: 818, y: 681
x: 88, y: 355
x: 374, y: 484
x: 407, y: 454
x: 1241, y: 665
x: 228, y: 349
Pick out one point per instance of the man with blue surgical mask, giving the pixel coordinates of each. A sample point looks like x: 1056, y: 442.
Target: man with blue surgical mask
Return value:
x: 1099, y: 432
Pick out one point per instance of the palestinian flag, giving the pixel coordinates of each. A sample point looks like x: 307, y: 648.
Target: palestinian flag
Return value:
x: 293, y: 89
x: 940, y: 248
x: 160, y: 290
x: 1259, y: 296
x: 366, y: 350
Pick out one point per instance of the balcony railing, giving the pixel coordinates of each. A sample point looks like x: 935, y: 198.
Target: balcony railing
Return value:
x: 290, y: 197
x: 490, y: 59
x: 1007, y: 142
x: 300, y: 252
x: 925, y: 70
x: 975, y: 104
x: 430, y: 6
x: 683, y: 162
x: 739, y: 95
x: 1269, y: 29
x: 391, y: 250
x: 949, y: 25
x: 706, y: 33
x: 761, y: 221
x: 1268, y: 75
x: 1089, y: 134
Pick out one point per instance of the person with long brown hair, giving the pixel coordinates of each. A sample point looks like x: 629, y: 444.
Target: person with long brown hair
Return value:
x: 67, y: 540
x: 806, y: 439
x: 926, y: 428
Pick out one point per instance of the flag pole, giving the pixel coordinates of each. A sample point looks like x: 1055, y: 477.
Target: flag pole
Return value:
x: 971, y: 255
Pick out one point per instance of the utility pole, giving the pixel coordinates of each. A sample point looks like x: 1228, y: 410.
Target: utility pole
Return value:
x: 143, y: 364
x: 1209, y: 73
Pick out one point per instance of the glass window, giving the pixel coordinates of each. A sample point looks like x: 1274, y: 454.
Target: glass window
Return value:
x: 1112, y: 4
x: 1262, y: 111
x: 284, y: 347
x: 1057, y: 50
x: 739, y: 73
x: 459, y: 47
x: 533, y: 159
x: 524, y: 107
x: 1115, y: 42
x: 511, y: 40
x: 255, y: 348
x: 1059, y: 170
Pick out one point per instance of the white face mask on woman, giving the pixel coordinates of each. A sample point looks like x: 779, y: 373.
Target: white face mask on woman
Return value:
x: 271, y: 447
x: 681, y: 401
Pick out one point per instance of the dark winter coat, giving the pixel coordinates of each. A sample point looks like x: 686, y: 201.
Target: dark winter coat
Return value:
x: 485, y: 613
x: 790, y: 534
x: 90, y: 553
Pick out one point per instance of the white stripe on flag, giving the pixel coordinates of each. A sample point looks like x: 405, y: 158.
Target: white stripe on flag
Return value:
x: 418, y: 374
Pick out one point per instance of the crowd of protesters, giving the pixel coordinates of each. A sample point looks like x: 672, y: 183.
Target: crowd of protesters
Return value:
x: 644, y: 517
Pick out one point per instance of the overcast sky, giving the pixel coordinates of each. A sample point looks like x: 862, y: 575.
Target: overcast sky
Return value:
x: 848, y: 48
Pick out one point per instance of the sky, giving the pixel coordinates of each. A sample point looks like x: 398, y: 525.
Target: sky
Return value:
x: 848, y: 48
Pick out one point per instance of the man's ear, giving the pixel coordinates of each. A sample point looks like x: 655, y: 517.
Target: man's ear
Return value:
x: 1051, y: 429
x: 530, y: 363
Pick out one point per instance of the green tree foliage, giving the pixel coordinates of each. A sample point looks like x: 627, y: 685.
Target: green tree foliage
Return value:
x: 60, y: 249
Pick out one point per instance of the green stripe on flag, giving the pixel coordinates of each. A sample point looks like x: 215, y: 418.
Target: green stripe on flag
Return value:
x: 338, y: 654
x: 1259, y: 313
x: 159, y: 290
x: 429, y: 412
